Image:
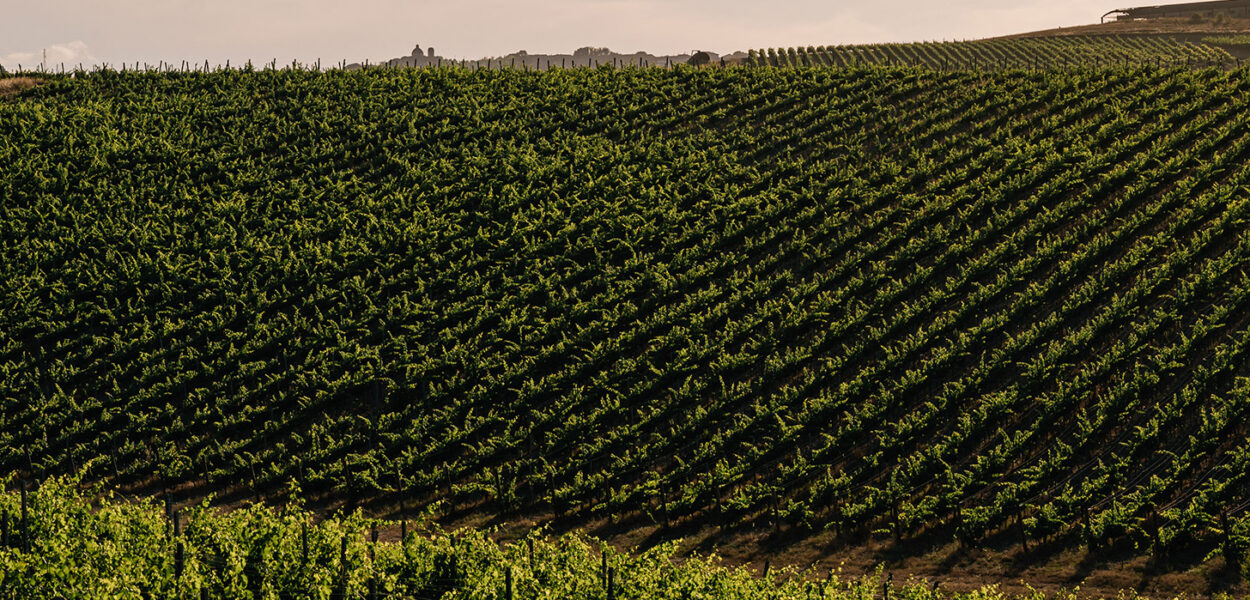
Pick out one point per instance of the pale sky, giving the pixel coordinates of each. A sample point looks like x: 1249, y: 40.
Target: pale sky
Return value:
x: 114, y: 31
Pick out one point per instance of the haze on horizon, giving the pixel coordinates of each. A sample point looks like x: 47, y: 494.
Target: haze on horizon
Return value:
x: 116, y: 31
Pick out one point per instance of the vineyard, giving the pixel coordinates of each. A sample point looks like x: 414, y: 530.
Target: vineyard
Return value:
x: 1016, y: 53
x: 991, y: 308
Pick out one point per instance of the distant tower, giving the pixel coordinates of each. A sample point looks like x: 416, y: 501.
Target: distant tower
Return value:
x: 431, y: 52
x: 417, y: 51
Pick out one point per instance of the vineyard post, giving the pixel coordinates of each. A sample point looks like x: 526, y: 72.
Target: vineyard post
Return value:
x: 403, y: 533
x: 529, y: 545
x: 455, y: 563
x: 1152, y: 524
x: 1227, y: 536
x: 373, y: 541
x: 885, y: 587
x: 767, y: 567
x: 611, y: 583
x: 603, y: 570
x: 179, y: 550
x: 1087, y: 529
x: 498, y: 483
x: 508, y: 583
x: 664, y: 502
x: 25, y: 522
x: 898, y: 530
x: 4, y: 528
x: 959, y: 526
x: 1024, y: 534
x: 343, y: 567
x: 303, y: 545
x: 255, y: 491
x: 776, y: 516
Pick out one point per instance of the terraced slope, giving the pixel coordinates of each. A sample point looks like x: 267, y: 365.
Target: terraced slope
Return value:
x: 1003, y: 306
x: 1009, y: 53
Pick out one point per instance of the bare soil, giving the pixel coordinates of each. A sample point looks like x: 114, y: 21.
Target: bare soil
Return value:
x: 13, y: 86
x: 1060, y: 567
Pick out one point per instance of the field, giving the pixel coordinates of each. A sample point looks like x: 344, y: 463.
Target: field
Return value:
x: 989, y: 310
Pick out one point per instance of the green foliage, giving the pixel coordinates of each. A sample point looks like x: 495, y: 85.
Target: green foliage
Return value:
x: 111, y: 549
x: 1227, y: 40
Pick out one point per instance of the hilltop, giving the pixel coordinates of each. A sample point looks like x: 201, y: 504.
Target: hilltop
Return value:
x: 587, y: 57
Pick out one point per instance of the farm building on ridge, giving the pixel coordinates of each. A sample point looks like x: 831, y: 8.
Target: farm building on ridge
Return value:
x: 1228, y: 8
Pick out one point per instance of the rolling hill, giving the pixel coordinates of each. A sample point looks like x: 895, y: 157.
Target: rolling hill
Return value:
x: 902, y: 309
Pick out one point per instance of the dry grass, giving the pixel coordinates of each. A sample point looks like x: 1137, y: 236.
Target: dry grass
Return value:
x: 1147, y: 27
x: 13, y: 86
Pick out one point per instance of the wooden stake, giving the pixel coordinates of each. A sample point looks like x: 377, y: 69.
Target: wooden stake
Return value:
x: 25, y: 522
x: 373, y: 540
x: 1024, y: 534
x: 343, y: 567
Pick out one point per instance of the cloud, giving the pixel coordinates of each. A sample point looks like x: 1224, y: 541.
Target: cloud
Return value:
x: 70, y: 53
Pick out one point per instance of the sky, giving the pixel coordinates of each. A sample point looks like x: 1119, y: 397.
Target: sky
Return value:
x: 116, y: 31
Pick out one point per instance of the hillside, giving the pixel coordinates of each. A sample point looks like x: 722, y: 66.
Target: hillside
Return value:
x: 1156, y: 27
x: 1022, y: 52
x: 884, y: 313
